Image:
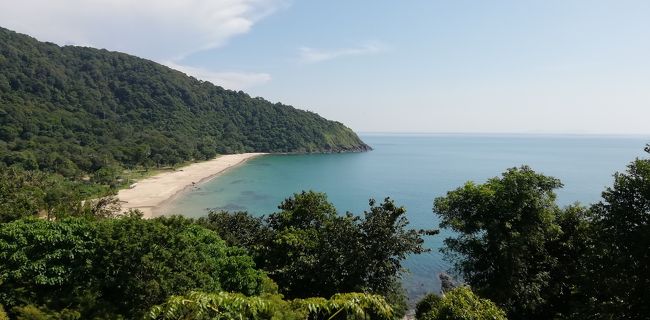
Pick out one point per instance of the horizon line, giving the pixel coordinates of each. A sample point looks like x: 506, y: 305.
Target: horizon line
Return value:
x: 640, y: 135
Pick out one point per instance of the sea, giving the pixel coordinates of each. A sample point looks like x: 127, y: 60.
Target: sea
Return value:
x: 414, y: 169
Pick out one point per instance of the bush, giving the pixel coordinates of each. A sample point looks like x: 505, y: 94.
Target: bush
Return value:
x: 224, y: 305
x: 458, y: 304
x: 116, y: 267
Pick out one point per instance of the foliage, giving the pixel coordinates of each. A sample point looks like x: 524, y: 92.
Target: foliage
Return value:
x: 42, y: 260
x: 172, y: 255
x: 312, y: 251
x: 569, y: 293
x: 622, y: 256
x: 80, y: 111
x: 26, y: 193
x: 385, y: 242
x: 306, y: 255
x: 347, y: 306
x: 239, y: 229
x: 32, y: 312
x: 223, y: 305
x: 517, y: 248
x: 458, y: 304
x: 503, y: 227
x: 116, y: 267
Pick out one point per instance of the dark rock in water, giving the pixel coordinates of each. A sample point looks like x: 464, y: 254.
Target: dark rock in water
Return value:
x: 252, y: 195
x: 447, y: 282
x: 228, y: 207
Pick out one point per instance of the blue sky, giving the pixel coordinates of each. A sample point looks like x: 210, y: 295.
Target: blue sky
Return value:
x: 542, y: 66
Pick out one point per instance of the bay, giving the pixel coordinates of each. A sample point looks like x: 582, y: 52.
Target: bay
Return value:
x: 413, y: 169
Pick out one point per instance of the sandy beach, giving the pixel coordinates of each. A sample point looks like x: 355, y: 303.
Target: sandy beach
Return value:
x: 150, y: 194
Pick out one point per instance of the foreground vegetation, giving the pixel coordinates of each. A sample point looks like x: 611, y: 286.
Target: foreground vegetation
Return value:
x: 198, y: 305
x: 457, y: 304
x: 516, y: 254
x: 309, y: 238
x: 81, y: 265
x: 515, y: 246
x: 117, y: 267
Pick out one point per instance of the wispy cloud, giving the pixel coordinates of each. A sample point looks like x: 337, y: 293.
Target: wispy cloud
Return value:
x: 313, y: 55
x: 230, y: 80
x: 156, y: 29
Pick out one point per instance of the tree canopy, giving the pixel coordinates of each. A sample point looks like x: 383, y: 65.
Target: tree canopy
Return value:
x: 457, y: 304
x: 90, y: 266
x: 503, y: 226
x: 515, y: 246
x: 622, y: 254
x: 311, y: 250
x: 115, y: 267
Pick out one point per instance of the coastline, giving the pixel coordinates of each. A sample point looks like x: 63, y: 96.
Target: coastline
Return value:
x: 150, y: 195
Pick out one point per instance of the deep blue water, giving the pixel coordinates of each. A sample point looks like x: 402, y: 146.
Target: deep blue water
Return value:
x: 413, y: 170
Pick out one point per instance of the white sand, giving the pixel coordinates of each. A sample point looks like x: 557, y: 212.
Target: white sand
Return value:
x: 150, y: 194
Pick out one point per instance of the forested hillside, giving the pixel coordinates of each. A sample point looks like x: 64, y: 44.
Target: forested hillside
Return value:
x: 74, y: 110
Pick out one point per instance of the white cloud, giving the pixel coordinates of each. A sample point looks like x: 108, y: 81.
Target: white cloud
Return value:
x: 161, y: 30
x: 229, y: 80
x: 312, y: 55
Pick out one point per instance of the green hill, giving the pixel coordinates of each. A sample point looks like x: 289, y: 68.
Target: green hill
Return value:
x: 74, y: 110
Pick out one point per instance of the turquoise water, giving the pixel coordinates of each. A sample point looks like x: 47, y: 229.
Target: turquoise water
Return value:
x: 413, y: 170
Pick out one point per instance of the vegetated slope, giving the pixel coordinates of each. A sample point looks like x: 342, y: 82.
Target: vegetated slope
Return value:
x: 76, y: 109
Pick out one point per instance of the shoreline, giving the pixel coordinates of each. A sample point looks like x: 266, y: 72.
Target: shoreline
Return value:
x: 153, y: 194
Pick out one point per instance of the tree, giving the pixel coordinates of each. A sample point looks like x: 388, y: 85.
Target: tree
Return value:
x: 107, y: 175
x: 458, y: 304
x: 33, y: 193
x: 44, y: 262
x: 312, y: 248
x: 325, y: 249
x: 623, y: 251
x: 502, y: 230
x: 112, y: 268
x: 312, y: 251
x: 386, y: 241
x: 150, y: 260
x: 570, y: 293
x: 239, y: 229
x: 21, y: 193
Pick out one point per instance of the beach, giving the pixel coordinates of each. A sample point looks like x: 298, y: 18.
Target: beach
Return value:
x: 151, y: 194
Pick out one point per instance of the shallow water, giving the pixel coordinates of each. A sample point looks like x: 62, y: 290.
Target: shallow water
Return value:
x: 413, y: 170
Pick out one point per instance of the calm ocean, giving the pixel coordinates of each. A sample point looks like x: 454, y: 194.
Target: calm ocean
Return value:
x: 413, y: 170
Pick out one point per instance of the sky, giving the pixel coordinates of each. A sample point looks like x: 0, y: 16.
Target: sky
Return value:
x: 503, y: 66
